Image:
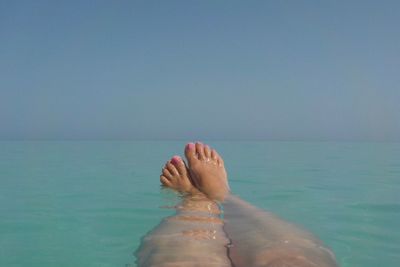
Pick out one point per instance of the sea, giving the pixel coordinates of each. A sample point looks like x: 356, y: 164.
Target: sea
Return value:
x: 89, y: 203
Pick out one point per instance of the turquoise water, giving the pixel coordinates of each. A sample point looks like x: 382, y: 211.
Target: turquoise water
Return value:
x: 89, y: 203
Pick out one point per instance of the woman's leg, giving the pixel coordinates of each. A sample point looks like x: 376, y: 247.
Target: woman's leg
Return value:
x: 270, y: 241
x: 258, y: 237
x: 192, y: 237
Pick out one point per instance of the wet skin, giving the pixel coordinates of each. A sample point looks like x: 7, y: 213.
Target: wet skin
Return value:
x: 193, y: 234
x: 258, y: 238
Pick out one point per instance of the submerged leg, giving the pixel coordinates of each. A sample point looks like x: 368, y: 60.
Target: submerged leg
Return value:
x: 270, y: 241
x: 258, y: 237
x: 192, y: 237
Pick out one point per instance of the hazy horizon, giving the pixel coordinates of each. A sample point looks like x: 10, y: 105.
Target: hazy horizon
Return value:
x: 200, y: 70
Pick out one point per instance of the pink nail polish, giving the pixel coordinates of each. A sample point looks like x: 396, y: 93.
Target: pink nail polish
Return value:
x: 190, y: 146
x: 176, y: 160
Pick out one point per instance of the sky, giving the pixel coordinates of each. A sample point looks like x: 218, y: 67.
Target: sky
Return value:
x: 200, y: 70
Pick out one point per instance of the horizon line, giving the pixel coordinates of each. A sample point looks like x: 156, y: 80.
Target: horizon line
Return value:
x: 195, y: 140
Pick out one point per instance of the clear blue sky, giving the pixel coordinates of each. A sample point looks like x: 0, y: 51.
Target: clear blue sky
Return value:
x: 273, y: 70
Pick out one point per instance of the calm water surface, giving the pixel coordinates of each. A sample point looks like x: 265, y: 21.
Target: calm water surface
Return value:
x: 89, y: 203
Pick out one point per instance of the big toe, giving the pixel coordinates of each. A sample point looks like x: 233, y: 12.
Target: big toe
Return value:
x: 190, y: 154
x: 179, y: 165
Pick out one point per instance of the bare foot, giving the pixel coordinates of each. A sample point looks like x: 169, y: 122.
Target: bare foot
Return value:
x: 207, y: 171
x: 175, y: 175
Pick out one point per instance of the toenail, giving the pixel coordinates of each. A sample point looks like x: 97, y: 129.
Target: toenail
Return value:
x: 190, y: 146
x: 176, y: 160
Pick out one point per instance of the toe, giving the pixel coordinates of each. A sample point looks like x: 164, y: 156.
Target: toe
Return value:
x: 172, y: 169
x: 216, y: 157
x: 220, y: 161
x: 165, y: 181
x: 179, y: 165
x: 207, y: 152
x: 190, y: 153
x: 214, y: 154
x: 200, y: 151
x: 167, y: 173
